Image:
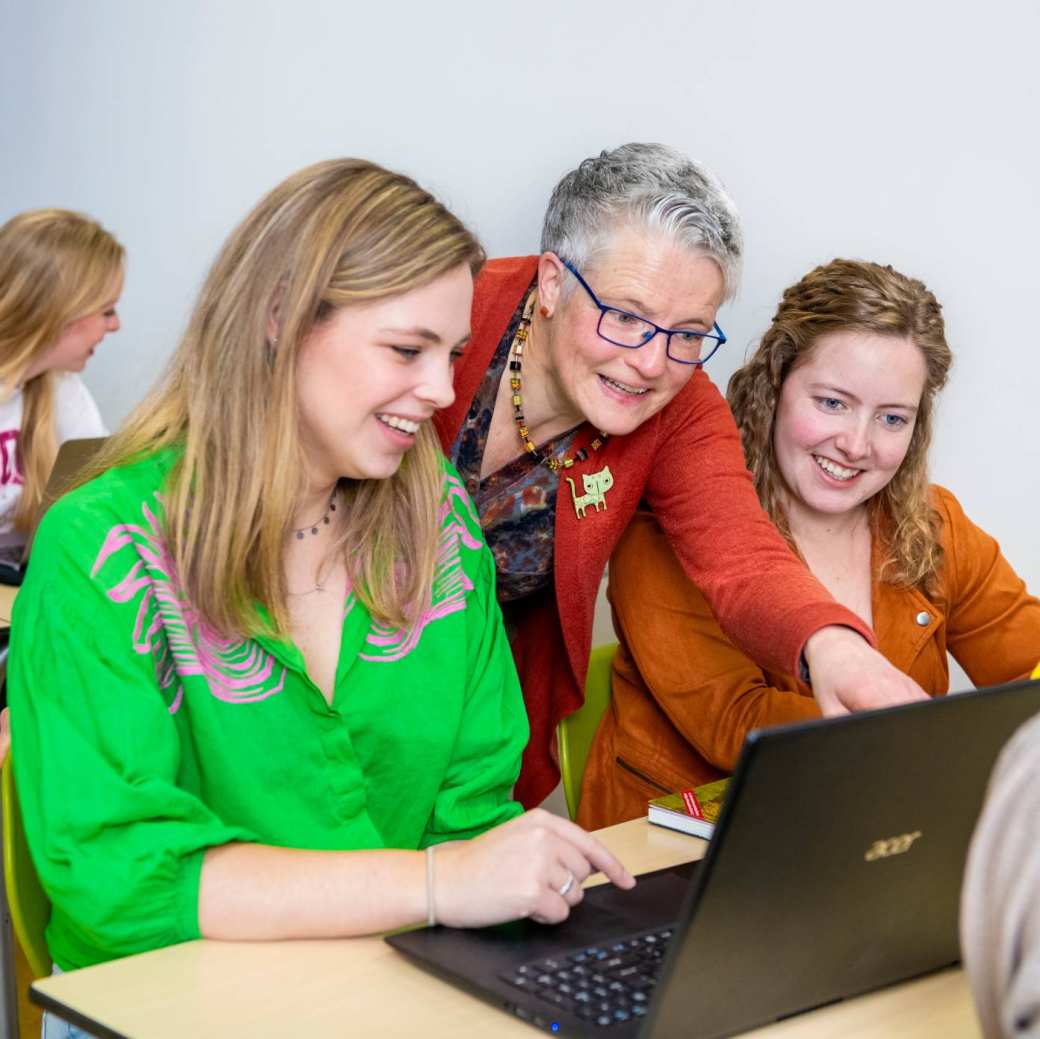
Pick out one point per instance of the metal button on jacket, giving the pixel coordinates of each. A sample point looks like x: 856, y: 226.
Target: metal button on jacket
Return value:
x: 923, y: 618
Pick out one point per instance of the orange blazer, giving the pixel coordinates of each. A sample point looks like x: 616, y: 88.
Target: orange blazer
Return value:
x: 684, y: 696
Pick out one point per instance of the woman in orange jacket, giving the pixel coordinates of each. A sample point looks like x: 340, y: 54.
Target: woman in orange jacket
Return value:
x: 835, y: 410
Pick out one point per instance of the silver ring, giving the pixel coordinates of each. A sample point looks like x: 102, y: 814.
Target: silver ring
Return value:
x: 566, y: 885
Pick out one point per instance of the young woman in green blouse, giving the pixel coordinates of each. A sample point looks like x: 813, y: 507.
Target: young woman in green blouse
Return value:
x: 258, y: 670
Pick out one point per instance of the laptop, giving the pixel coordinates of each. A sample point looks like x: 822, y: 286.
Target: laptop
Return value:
x: 835, y: 868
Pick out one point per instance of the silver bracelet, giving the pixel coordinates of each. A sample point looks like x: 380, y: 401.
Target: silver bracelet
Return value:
x: 431, y: 916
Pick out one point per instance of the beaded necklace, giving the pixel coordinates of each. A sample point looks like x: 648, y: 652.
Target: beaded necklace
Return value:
x: 552, y: 463
x: 315, y: 528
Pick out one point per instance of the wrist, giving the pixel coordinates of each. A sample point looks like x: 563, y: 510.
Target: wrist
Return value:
x: 824, y: 639
x: 441, y: 897
x: 431, y: 886
x: 817, y: 653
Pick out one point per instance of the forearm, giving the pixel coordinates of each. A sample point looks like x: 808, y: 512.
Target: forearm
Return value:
x: 765, y: 599
x: 256, y: 892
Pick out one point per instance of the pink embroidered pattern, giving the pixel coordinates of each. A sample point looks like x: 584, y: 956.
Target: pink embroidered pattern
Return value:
x: 450, y: 583
x: 168, y: 628
x: 235, y: 671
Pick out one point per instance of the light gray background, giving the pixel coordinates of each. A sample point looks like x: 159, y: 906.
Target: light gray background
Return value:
x: 894, y: 131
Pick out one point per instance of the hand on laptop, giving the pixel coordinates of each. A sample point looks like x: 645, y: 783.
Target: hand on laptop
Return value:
x: 848, y: 675
x: 530, y: 866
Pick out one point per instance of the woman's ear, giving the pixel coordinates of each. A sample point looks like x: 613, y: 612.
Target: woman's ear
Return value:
x: 274, y: 315
x: 551, y: 273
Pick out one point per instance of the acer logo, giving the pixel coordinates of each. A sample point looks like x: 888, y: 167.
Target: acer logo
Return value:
x: 892, y: 846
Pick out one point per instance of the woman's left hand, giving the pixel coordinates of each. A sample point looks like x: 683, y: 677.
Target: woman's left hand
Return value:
x: 849, y: 675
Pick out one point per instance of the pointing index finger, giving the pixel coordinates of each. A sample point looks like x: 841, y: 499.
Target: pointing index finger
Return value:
x: 596, y: 854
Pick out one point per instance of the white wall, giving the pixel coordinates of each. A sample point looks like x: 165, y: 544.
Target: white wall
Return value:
x: 895, y: 131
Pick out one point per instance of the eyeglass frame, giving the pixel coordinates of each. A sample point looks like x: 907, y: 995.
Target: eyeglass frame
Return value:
x: 716, y: 333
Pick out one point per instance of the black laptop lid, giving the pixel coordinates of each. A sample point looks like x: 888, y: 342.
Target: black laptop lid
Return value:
x: 836, y: 864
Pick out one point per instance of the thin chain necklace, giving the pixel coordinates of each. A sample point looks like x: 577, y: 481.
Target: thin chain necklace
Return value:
x: 551, y: 462
x: 315, y: 528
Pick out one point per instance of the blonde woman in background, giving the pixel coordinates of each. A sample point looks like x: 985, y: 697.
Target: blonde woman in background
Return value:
x: 258, y: 669
x: 61, y: 276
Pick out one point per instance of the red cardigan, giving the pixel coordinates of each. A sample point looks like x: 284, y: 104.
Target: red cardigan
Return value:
x: 687, y: 463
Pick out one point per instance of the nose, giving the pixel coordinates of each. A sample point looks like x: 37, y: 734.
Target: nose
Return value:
x: 854, y: 440
x: 438, y: 385
x: 113, y: 324
x: 651, y: 359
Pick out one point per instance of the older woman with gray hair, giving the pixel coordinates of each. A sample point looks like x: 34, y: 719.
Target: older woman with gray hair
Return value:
x: 582, y: 394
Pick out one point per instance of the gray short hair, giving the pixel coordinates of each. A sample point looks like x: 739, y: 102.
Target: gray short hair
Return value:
x: 651, y: 186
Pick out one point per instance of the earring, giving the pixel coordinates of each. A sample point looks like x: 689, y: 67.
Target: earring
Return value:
x: 543, y: 310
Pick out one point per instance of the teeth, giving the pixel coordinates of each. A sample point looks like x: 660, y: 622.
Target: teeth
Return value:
x: 403, y: 424
x: 623, y: 388
x: 839, y: 472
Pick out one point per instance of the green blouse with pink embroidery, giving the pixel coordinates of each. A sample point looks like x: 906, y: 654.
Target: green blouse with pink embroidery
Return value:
x: 142, y: 739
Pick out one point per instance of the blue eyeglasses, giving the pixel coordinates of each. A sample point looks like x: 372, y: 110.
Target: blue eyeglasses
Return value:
x: 621, y: 328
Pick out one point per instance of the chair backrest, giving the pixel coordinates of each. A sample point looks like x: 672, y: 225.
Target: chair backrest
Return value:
x: 575, y: 733
x: 30, y: 908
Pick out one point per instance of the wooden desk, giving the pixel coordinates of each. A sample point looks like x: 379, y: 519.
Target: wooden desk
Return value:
x: 361, y: 986
x: 7, y: 594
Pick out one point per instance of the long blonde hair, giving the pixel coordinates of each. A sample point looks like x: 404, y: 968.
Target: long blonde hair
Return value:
x: 848, y: 295
x: 335, y: 234
x: 55, y: 267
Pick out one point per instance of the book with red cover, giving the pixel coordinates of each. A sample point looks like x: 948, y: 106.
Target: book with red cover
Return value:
x: 672, y: 811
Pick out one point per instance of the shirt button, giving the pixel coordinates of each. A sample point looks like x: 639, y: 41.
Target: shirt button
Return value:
x: 924, y: 618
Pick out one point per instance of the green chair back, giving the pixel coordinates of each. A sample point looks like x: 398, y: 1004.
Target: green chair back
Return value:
x: 30, y: 908
x: 575, y: 733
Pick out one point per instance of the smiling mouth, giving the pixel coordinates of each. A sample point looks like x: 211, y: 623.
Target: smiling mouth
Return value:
x: 632, y: 391
x: 402, y: 425
x: 835, y: 471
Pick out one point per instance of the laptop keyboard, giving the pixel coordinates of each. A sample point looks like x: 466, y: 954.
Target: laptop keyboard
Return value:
x: 604, y: 984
